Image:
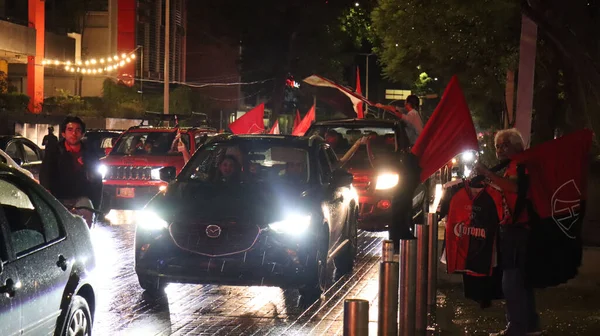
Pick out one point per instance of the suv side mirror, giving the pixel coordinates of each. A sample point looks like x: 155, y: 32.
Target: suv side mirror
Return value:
x: 168, y: 174
x: 341, y: 177
x: 18, y: 161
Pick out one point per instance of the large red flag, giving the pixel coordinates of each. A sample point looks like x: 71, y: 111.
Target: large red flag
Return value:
x: 250, y: 123
x: 297, y: 120
x: 305, y: 123
x: 359, y: 107
x: 275, y: 128
x: 448, y: 132
x: 557, y: 190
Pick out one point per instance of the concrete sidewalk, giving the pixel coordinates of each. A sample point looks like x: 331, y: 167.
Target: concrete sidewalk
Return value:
x: 569, y: 309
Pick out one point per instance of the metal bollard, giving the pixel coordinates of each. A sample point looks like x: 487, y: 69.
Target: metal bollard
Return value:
x: 356, y: 317
x: 422, y: 265
x: 407, y: 303
x: 432, y: 268
x: 387, y: 322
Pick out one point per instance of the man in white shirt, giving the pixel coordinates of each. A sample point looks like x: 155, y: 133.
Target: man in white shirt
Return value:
x: 413, y: 117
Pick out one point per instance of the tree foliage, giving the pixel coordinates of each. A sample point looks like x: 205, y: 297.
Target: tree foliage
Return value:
x: 476, y: 40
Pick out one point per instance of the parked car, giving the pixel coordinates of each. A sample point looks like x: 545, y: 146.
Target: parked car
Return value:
x: 130, y: 170
x: 24, y: 152
x: 278, y: 219
x: 7, y: 160
x: 101, y: 140
x: 46, y: 259
x: 375, y: 186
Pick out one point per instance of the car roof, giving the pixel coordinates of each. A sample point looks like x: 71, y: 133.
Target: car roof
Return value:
x: 357, y: 122
x: 170, y: 129
x: 290, y: 139
x: 4, y: 139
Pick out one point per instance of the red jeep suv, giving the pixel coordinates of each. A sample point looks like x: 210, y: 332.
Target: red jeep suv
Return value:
x: 131, y: 169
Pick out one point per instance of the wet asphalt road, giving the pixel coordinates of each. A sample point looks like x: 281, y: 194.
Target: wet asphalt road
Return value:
x: 124, y: 309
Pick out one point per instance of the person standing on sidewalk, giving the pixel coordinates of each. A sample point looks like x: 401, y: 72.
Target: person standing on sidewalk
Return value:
x: 521, y: 314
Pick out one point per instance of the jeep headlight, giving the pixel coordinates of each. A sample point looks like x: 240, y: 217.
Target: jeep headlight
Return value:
x: 149, y: 220
x: 102, y: 170
x: 387, y: 181
x: 292, y: 225
x: 155, y: 173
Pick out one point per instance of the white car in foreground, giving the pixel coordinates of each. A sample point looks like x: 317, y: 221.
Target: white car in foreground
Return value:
x: 7, y: 160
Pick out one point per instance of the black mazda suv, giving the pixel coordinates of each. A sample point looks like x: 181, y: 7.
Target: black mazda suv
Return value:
x: 250, y: 210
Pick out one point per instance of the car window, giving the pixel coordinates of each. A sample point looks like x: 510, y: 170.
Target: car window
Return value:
x: 333, y: 159
x: 146, y: 143
x: 12, y: 150
x: 30, y: 153
x: 253, y: 161
x: 27, y: 229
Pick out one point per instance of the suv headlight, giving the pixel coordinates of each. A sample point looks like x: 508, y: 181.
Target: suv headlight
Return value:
x: 149, y: 220
x: 155, y: 173
x: 102, y: 170
x: 293, y: 225
x: 387, y: 181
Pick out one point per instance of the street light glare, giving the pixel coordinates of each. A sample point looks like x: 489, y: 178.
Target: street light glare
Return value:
x: 357, y: 4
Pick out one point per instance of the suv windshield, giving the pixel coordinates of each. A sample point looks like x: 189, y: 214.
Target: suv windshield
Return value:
x: 146, y: 143
x: 248, y: 161
x: 341, y: 138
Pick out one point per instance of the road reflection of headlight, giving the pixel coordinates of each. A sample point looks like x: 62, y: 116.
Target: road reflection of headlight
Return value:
x: 293, y: 225
x: 149, y: 220
x: 155, y: 174
x: 102, y: 170
x: 387, y: 181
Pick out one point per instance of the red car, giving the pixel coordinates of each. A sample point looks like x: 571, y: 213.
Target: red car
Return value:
x: 131, y: 169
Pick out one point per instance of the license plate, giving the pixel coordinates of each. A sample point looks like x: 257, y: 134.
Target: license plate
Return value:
x: 126, y: 192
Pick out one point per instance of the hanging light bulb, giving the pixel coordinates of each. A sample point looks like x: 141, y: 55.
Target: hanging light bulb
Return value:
x: 83, y: 71
x: 100, y: 70
x: 93, y: 61
x: 123, y: 55
x: 102, y: 61
x: 87, y: 62
x: 128, y: 60
x: 116, y: 57
x: 72, y: 69
x: 43, y: 62
x: 122, y: 63
x: 95, y: 71
x: 57, y: 62
x: 109, y: 68
x: 68, y: 62
x: 132, y: 56
x: 67, y: 68
x: 78, y: 62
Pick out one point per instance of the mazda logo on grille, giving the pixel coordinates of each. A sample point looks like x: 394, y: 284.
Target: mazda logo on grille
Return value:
x: 213, y: 231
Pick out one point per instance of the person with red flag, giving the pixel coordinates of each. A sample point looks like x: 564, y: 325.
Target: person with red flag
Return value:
x: 521, y: 314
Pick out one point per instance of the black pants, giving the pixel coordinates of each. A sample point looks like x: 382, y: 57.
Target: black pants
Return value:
x: 521, y: 314
x: 402, y: 225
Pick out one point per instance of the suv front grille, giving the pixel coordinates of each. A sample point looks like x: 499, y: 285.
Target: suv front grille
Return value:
x: 139, y: 173
x: 232, y: 238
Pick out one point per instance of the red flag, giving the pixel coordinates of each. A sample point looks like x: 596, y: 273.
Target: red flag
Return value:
x: 297, y: 120
x: 275, y: 128
x: 557, y: 188
x: 250, y: 123
x: 448, y: 132
x: 359, y: 107
x: 305, y: 123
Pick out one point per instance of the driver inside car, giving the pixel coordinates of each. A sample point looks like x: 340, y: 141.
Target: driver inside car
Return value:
x: 229, y: 169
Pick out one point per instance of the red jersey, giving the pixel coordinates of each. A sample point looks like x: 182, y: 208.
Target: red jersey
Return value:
x: 471, y: 229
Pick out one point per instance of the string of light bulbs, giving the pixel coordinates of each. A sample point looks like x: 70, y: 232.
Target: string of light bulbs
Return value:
x: 94, y: 66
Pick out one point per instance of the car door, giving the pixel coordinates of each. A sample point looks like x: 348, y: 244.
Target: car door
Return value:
x: 334, y: 197
x: 10, y: 307
x: 43, y: 254
x: 32, y: 158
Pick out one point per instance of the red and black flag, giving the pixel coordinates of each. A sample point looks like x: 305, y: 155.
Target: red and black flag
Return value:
x: 557, y: 192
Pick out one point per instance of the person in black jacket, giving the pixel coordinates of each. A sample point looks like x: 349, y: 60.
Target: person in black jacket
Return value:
x: 69, y: 169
